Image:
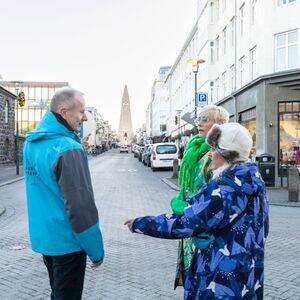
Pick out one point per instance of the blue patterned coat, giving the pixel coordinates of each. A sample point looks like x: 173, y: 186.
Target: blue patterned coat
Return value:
x: 232, y: 266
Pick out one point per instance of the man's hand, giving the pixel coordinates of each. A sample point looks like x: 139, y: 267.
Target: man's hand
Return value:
x: 85, y: 143
x: 129, y: 224
x: 96, y: 265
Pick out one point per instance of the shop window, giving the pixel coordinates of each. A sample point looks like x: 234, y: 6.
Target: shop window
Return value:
x: 248, y: 120
x: 296, y: 106
x: 281, y: 107
x: 289, y: 133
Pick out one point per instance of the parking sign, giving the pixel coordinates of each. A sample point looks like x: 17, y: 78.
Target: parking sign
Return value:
x: 202, y: 99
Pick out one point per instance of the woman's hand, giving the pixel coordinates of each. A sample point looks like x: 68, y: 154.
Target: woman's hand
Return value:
x: 129, y: 224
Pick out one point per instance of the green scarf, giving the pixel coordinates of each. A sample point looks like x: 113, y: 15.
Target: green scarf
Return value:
x: 195, y: 149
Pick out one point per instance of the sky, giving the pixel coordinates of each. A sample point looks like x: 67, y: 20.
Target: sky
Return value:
x: 97, y: 46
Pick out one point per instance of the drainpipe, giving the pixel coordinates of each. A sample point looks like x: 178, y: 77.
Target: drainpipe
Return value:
x: 235, y: 61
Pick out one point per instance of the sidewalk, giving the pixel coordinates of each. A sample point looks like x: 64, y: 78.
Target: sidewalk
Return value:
x: 277, y: 196
x: 8, y: 176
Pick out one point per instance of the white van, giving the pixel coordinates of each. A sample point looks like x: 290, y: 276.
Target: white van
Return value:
x: 163, y: 154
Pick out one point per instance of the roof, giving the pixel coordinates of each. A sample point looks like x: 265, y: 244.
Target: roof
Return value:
x: 34, y: 84
x: 8, y: 93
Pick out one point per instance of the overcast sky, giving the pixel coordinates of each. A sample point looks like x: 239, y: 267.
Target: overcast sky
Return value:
x: 97, y: 46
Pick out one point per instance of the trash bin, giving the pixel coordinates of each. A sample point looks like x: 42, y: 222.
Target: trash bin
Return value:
x: 266, y: 166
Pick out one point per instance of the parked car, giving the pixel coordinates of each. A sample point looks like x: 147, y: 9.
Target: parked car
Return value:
x: 147, y: 156
x: 141, y: 150
x: 123, y: 148
x: 163, y: 154
x: 136, y: 151
x: 145, y: 152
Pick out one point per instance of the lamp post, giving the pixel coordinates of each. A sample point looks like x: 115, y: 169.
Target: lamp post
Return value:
x: 179, y: 130
x: 195, y: 62
x: 17, y: 85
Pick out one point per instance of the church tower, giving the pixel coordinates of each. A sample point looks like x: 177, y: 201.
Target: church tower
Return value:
x: 125, y: 126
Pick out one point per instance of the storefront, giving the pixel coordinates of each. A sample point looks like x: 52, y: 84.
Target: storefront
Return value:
x: 248, y: 120
x: 289, y: 133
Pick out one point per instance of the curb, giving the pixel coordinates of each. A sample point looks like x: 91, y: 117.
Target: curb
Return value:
x: 170, y: 184
x: 11, y: 181
x: 2, y: 210
x: 176, y: 188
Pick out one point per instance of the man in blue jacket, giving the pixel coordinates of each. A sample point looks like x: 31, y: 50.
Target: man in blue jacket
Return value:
x: 62, y: 215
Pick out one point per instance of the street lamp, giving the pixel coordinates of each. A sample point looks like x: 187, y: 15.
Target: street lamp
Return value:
x: 195, y: 62
x: 17, y: 85
x: 178, y: 114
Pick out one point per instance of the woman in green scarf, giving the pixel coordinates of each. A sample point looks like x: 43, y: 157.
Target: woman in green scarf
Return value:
x: 195, y: 170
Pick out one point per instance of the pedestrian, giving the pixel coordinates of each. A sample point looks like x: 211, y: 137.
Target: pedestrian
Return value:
x: 232, y: 209
x: 195, y: 170
x: 62, y: 214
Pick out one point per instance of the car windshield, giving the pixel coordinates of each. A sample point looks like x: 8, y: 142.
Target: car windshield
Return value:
x: 166, y: 149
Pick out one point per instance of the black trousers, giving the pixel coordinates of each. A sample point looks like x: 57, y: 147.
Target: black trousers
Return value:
x: 66, y: 275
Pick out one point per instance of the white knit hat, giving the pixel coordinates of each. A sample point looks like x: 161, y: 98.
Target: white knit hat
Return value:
x: 234, y: 138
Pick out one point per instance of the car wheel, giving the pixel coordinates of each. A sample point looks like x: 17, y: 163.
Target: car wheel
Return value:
x: 153, y: 168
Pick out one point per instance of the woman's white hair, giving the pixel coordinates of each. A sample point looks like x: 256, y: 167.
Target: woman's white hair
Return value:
x: 64, y: 97
x: 219, y: 113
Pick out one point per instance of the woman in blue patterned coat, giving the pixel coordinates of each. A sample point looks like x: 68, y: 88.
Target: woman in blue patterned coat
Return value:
x: 232, y: 209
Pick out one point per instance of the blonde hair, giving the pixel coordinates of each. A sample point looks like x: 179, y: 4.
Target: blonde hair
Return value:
x: 219, y: 113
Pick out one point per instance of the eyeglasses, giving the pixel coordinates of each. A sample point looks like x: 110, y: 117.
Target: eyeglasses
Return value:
x: 203, y: 119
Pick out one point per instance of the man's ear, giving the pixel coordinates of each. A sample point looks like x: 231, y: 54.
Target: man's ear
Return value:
x: 63, y: 112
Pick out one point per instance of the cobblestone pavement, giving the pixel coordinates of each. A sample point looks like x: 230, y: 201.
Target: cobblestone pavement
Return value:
x: 136, y: 267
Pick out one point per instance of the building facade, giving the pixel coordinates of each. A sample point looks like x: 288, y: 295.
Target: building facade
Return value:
x: 7, y: 126
x: 252, y: 68
x: 38, y: 96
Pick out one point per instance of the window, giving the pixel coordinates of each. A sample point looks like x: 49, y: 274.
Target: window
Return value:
x: 286, y: 49
x: 224, y: 84
x: 242, y: 9
x: 232, y: 78
x: 6, y: 112
x: 224, y: 4
x: 241, y: 69
x: 232, y: 31
x: 217, y: 9
x: 211, y: 52
x: 289, y: 133
x: 284, y: 2
x: 217, y: 88
x: 6, y: 147
x: 252, y: 11
x: 253, y: 63
x: 217, y: 48
x: 224, y: 32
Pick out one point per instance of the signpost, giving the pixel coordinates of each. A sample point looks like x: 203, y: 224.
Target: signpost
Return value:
x: 202, y: 99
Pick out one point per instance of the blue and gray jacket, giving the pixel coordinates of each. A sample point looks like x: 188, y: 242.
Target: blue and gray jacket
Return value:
x: 62, y: 214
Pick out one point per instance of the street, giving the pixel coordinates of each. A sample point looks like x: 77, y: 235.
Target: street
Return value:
x: 136, y: 266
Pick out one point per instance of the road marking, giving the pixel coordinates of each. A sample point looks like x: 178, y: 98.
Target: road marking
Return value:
x: 132, y: 170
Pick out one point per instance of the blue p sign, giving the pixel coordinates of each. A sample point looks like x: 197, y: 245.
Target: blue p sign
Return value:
x: 202, y: 99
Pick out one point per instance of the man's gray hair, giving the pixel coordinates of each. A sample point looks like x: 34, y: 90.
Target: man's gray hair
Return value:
x: 64, y: 98
x: 219, y: 113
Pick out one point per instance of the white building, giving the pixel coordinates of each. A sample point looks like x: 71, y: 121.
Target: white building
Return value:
x: 252, y: 68
x: 158, y: 107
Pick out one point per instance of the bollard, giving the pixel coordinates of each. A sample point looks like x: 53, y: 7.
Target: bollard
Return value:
x: 293, y: 184
x: 175, y: 169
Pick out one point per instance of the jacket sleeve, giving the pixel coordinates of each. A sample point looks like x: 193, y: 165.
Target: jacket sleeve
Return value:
x: 74, y: 179
x: 203, y: 215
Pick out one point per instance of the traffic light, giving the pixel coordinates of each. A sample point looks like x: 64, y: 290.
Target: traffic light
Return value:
x: 21, y: 99
x: 176, y: 120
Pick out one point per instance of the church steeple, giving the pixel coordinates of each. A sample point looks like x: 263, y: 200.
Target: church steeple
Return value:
x: 125, y: 125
